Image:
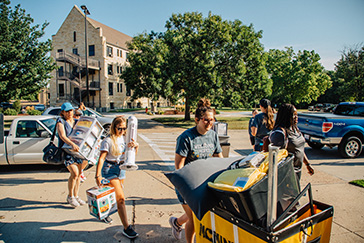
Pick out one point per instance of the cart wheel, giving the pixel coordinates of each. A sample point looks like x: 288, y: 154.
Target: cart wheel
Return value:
x: 350, y: 147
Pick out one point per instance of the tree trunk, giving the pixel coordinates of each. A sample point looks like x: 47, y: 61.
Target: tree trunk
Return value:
x: 187, y: 110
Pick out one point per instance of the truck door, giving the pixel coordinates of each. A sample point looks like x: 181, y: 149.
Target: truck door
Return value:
x: 26, y: 146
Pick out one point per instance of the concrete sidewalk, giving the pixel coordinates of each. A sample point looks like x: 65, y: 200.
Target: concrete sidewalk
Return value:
x: 33, y: 208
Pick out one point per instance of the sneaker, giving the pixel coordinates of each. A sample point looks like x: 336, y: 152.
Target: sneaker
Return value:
x: 72, y: 201
x: 130, y: 233
x: 83, y: 177
x: 176, y: 230
x: 107, y: 220
x: 80, y: 201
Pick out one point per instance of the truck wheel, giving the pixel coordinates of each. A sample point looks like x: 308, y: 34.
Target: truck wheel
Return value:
x: 315, y: 145
x: 350, y: 147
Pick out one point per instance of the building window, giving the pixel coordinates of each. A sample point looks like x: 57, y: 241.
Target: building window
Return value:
x: 109, y: 51
x: 121, y: 53
x: 121, y: 88
x: 111, y: 88
x: 117, y: 88
x: 60, y: 50
x: 128, y: 92
x: 112, y: 107
x: 61, y: 89
x: 117, y: 52
x: 75, y: 51
x: 127, y: 57
x: 109, y: 69
x: 118, y: 69
x: 60, y: 71
x: 74, y: 36
x: 91, y: 50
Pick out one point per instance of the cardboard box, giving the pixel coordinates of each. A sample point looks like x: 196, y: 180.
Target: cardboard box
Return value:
x: 87, y: 135
x: 101, y: 201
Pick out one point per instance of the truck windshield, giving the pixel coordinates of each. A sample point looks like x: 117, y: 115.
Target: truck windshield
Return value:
x: 49, y: 123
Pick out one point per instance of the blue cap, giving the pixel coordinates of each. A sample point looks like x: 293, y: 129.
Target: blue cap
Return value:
x: 66, y: 106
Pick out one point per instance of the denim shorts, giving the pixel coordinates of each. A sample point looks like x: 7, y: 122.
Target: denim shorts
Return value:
x: 112, y: 170
x: 180, y: 198
x: 69, y: 159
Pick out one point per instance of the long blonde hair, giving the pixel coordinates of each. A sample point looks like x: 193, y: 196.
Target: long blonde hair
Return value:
x: 115, y: 149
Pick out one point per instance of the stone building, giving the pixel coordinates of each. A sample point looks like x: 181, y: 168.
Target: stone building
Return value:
x: 107, y: 57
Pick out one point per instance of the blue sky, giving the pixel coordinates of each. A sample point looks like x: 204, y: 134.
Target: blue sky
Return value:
x: 325, y: 26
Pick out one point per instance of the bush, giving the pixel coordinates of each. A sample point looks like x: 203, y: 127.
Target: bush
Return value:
x: 34, y: 112
x: 10, y: 112
x: 17, y: 106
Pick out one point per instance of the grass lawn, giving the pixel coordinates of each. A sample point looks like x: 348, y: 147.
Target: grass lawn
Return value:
x: 357, y: 183
x: 234, y: 123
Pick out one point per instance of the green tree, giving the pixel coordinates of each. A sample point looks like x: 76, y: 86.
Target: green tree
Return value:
x: 350, y: 74
x: 199, y: 57
x: 297, y: 78
x: 25, y: 65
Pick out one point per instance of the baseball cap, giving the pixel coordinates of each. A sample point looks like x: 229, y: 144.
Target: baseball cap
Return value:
x: 66, y: 106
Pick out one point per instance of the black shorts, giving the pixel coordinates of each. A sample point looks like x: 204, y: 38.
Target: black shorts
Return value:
x: 252, y: 140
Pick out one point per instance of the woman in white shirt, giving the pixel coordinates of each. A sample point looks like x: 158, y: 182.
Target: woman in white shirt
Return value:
x: 112, y: 155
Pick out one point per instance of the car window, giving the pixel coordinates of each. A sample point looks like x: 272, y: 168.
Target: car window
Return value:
x: 87, y: 113
x: 95, y: 112
x: 55, y: 111
x: 30, y: 129
x: 345, y: 110
x: 49, y: 123
x: 359, y: 111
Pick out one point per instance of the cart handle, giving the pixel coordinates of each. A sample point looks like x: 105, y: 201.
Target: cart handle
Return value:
x: 279, y: 221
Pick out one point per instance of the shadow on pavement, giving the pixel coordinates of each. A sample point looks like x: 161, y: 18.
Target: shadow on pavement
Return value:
x: 28, y: 181
x: 34, y: 168
x: 152, y: 201
x: 34, y: 231
x: 155, y: 165
x: 14, y: 204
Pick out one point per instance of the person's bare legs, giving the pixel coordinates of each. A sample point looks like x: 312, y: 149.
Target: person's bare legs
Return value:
x: 72, y: 180
x: 120, y: 200
x: 78, y: 180
x: 190, y: 227
x: 182, y: 219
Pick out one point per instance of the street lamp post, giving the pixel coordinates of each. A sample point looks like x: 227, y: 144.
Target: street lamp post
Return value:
x: 85, y: 10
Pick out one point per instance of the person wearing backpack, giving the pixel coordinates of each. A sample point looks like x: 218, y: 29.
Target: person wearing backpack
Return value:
x: 286, y: 134
x: 263, y: 123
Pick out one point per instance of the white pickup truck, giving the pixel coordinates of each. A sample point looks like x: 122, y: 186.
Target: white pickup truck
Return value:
x: 25, y: 140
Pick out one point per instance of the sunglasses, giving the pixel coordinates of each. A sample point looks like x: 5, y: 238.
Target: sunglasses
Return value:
x: 208, y: 120
x: 121, y: 129
x: 77, y: 115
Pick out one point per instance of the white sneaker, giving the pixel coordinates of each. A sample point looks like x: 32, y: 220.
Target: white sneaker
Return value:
x: 176, y: 230
x: 80, y: 201
x: 72, y: 201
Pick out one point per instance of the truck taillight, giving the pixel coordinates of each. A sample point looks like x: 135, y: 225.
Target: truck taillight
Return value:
x: 327, y: 126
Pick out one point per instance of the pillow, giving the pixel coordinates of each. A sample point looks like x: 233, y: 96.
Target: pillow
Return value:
x: 191, y: 182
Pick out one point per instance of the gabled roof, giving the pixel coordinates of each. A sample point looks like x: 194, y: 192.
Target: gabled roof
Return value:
x: 112, y: 36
